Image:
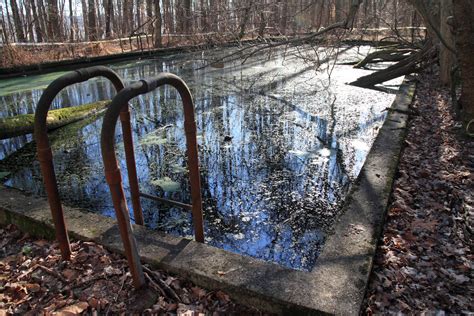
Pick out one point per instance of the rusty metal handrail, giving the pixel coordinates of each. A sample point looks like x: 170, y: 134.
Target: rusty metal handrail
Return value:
x: 45, y: 155
x: 112, y: 170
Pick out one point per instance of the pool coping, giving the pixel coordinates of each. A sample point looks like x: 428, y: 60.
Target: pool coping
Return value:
x: 337, y: 283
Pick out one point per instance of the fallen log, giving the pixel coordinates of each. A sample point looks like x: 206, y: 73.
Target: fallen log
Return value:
x: 413, y: 63
x: 24, y: 124
x: 393, y: 54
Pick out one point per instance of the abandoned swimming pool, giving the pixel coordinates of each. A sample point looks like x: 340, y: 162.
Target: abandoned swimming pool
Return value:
x: 280, y: 141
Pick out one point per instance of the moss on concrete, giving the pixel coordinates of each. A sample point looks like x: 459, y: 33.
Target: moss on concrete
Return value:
x: 27, y: 224
x: 24, y: 123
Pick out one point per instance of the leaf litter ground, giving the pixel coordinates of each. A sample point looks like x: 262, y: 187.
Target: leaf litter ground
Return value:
x: 35, y: 281
x: 424, y: 259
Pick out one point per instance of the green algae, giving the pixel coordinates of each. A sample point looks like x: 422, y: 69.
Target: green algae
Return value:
x: 22, y: 84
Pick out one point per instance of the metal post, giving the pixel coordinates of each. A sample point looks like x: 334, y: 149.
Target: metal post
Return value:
x: 131, y: 165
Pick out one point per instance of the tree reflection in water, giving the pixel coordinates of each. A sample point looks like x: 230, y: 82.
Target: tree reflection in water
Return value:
x: 280, y: 143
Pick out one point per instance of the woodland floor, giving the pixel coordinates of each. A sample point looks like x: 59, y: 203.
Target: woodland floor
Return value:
x: 34, y: 280
x: 424, y: 260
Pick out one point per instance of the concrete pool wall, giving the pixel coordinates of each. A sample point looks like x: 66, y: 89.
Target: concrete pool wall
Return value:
x: 336, y: 285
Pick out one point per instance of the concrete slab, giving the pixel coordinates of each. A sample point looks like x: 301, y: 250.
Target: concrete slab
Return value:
x: 337, y: 283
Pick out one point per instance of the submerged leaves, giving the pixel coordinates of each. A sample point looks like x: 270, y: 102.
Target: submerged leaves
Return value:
x: 166, y: 184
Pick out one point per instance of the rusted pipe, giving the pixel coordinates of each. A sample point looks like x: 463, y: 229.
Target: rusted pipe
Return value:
x: 131, y: 165
x: 112, y: 170
x: 166, y: 201
x: 45, y: 155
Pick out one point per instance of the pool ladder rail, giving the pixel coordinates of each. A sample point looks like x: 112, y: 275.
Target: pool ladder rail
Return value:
x: 118, y: 107
x: 43, y: 148
x: 114, y: 177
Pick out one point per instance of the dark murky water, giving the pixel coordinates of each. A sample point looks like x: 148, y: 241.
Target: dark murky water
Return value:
x: 280, y: 143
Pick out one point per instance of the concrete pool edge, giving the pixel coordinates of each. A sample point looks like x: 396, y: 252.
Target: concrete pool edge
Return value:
x: 336, y: 284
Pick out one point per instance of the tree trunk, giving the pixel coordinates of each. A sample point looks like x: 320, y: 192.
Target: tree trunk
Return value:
x: 85, y: 20
x: 29, y: 21
x: 24, y: 124
x: 262, y: 25
x: 43, y: 18
x: 71, y: 22
x: 284, y: 17
x: 10, y: 26
x: 214, y: 16
x: 139, y: 13
x: 464, y: 30
x: 109, y: 13
x: 20, y: 34
x: 37, y: 23
x: 54, y: 25
x: 168, y: 16
x: 383, y: 55
x: 100, y: 20
x: 127, y: 25
x: 245, y: 18
x: 92, y: 23
x: 157, y: 24
x: 447, y: 59
x: 187, y: 16
x: 204, y: 24
x: 3, y: 25
x: 340, y: 10
x: 413, y: 63
x: 149, y: 16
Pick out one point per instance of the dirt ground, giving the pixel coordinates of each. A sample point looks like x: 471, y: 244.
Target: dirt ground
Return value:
x: 424, y: 260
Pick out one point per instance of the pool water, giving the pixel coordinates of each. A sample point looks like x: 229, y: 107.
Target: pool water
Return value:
x: 281, y: 138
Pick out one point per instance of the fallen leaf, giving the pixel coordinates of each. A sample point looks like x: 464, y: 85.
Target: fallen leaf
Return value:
x: 73, y: 309
x: 33, y: 287
x: 70, y: 274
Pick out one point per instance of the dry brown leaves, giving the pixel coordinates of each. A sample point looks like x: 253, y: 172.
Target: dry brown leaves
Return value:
x: 425, y: 260
x: 34, y: 280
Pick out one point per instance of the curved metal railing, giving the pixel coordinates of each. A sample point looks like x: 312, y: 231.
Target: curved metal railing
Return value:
x: 45, y: 155
x: 114, y: 177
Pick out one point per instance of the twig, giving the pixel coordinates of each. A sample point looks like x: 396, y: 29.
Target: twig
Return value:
x: 45, y: 269
x: 161, y: 284
x: 87, y: 282
x: 116, y: 297
x: 155, y: 286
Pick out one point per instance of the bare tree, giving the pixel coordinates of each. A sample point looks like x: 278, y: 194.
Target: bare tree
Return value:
x: 92, y: 22
x: 54, y: 24
x: 109, y: 13
x: 464, y: 28
x: 157, y: 24
x: 127, y: 25
x: 17, y: 20
x: 37, y: 22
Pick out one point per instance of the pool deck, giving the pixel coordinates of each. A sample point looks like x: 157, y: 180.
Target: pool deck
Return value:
x: 337, y: 283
